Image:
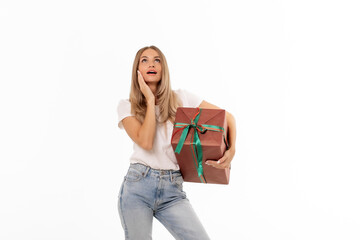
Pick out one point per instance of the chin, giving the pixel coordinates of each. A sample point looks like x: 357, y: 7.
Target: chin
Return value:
x: 152, y: 80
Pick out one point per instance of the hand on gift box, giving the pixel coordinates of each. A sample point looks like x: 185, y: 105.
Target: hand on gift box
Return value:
x: 223, y: 162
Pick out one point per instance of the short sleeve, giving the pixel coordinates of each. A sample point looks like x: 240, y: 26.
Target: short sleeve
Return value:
x: 189, y: 99
x: 123, y: 111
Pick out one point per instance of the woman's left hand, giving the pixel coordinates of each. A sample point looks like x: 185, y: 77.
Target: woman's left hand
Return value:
x: 223, y: 162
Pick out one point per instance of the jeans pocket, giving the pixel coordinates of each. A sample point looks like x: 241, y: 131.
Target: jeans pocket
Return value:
x: 133, y: 175
x: 178, y: 180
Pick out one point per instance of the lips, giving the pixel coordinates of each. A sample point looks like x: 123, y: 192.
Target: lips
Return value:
x: 151, y: 72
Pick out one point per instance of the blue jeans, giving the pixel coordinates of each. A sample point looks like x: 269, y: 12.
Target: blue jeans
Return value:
x: 146, y: 193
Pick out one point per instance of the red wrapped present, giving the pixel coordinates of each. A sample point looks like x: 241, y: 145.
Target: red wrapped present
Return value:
x: 200, y: 134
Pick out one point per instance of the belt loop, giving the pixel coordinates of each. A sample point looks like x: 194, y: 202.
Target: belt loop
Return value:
x: 146, y: 171
x: 171, y: 176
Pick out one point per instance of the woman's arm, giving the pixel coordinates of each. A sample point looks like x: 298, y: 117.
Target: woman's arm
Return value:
x: 143, y: 134
x: 225, y: 161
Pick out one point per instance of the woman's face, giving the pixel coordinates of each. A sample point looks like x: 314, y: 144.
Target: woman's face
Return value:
x: 150, y: 65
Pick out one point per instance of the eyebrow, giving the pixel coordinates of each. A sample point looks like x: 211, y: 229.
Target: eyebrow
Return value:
x: 147, y: 57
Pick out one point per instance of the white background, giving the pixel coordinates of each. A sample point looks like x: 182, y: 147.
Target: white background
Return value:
x: 287, y: 70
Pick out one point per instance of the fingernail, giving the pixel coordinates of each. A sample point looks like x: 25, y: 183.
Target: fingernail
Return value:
x: 218, y: 161
x: 207, y: 163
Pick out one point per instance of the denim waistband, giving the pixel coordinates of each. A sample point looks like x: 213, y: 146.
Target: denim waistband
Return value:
x: 144, y: 168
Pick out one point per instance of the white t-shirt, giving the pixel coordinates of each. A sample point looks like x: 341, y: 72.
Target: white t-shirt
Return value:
x: 162, y: 155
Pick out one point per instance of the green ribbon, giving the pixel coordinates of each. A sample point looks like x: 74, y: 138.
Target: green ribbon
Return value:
x: 202, y: 128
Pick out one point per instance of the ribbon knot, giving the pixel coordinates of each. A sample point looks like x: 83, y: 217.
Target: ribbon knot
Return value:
x: 197, y: 127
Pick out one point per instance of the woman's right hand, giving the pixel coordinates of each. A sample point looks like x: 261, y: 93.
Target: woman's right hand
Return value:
x: 144, y: 88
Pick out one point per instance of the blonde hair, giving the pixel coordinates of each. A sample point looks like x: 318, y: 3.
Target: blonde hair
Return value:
x: 167, y: 100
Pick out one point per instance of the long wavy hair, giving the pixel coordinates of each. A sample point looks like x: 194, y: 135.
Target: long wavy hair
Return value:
x: 167, y: 100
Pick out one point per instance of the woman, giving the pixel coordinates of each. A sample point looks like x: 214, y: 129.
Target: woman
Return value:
x: 152, y: 186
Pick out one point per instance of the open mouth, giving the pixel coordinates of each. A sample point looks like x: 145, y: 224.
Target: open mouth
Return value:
x: 151, y: 72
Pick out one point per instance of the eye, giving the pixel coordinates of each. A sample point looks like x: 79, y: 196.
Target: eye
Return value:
x: 144, y: 59
x: 157, y: 60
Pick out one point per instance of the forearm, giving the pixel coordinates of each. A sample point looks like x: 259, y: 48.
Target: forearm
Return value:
x: 225, y: 160
x: 231, y: 131
x: 147, y: 130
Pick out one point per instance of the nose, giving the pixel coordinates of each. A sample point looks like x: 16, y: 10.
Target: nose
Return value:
x: 152, y: 63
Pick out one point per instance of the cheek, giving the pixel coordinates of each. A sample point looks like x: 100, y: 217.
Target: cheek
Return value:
x: 141, y: 68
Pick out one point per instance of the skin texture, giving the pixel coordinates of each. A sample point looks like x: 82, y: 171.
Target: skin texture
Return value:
x: 149, y: 60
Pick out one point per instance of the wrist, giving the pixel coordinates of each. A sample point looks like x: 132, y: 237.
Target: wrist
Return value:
x: 232, y: 150
x: 150, y: 101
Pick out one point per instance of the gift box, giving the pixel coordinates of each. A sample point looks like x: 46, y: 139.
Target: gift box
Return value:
x: 200, y: 134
